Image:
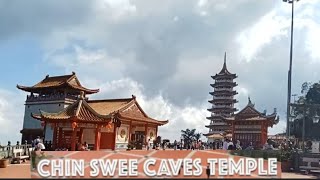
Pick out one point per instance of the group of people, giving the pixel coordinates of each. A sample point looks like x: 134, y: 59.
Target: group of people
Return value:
x: 229, y: 145
x: 83, y: 147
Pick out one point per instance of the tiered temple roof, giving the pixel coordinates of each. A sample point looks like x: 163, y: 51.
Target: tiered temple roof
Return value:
x: 222, y: 102
x: 70, y: 82
x: 250, y: 113
x: 99, y: 112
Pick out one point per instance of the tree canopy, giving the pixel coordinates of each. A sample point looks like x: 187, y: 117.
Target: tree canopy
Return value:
x: 310, y: 95
x: 190, y: 135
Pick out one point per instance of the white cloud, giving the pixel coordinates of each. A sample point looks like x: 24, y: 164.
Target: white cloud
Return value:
x: 11, y: 116
x: 158, y: 107
x: 119, y: 8
x: 253, y: 39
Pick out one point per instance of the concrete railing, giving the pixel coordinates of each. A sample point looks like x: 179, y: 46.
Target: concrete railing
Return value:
x: 7, y: 151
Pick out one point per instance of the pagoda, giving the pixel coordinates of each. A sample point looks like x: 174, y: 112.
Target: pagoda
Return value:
x: 222, y: 103
x: 52, y: 94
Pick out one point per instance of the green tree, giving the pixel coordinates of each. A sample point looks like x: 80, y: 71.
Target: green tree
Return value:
x: 190, y: 135
x: 310, y: 95
x: 197, y: 136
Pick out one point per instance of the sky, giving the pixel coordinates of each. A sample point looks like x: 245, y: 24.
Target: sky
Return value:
x: 164, y: 52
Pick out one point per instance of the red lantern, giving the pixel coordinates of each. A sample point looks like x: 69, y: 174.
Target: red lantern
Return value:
x: 43, y: 124
x: 74, y: 125
x: 108, y: 126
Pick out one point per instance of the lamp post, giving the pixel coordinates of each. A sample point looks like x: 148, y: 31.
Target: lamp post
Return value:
x: 290, y: 67
x: 315, y: 118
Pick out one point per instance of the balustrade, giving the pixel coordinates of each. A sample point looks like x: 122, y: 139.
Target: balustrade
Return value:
x: 32, y: 98
x: 222, y: 97
x: 7, y: 151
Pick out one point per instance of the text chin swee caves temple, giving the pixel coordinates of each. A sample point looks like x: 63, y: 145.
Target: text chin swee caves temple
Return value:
x: 58, y: 109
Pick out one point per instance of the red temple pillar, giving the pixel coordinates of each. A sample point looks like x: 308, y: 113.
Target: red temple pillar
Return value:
x: 263, y: 138
x: 60, y: 137
x: 156, y: 135
x: 97, y: 138
x: 114, y: 137
x: 54, y: 138
x: 81, y: 136
x: 73, y: 139
x: 146, y: 132
x: 130, y: 133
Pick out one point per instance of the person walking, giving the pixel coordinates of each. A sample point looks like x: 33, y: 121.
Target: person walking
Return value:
x: 208, y: 171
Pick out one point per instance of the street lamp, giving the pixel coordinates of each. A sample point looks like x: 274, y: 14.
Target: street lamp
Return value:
x: 181, y: 138
x: 290, y: 67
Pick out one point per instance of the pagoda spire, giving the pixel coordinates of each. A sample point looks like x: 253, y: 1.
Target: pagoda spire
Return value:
x: 225, y: 61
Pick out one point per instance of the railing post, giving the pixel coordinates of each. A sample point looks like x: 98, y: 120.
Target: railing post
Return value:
x: 8, y: 148
x: 26, y: 147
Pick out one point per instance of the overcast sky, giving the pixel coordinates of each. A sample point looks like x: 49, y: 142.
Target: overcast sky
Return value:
x: 164, y: 52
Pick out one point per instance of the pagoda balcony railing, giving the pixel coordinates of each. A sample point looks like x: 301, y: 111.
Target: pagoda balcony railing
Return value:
x: 218, y: 123
x: 223, y: 89
x: 216, y: 131
x: 220, y: 114
x: 221, y: 106
x: 231, y: 81
x: 54, y: 97
x: 222, y: 97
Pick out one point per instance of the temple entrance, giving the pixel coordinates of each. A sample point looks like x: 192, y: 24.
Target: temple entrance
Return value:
x: 107, y: 140
x: 140, y: 137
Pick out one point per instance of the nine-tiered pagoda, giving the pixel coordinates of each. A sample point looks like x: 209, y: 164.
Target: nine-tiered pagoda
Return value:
x: 222, y: 103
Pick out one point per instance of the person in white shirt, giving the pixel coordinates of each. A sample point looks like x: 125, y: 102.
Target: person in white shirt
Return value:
x: 230, y: 145
x: 225, y: 144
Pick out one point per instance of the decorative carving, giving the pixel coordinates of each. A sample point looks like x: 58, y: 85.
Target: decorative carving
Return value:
x: 123, y: 133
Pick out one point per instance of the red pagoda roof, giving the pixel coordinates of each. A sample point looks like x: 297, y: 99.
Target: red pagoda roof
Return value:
x: 101, y: 111
x: 79, y: 111
x: 66, y: 81
x: 249, y: 113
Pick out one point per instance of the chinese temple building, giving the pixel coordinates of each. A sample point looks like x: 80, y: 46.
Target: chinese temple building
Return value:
x: 250, y: 125
x: 222, y: 103
x: 58, y: 109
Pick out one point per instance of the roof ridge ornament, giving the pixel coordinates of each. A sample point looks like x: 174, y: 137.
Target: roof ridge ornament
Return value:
x: 47, y: 76
x: 249, y: 102
x: 73, y: 73
x: 81, y: 95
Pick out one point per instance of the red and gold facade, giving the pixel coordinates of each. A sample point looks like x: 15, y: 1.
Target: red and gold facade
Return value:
x: 70, y: 117
x: 250, y: 125
x: 111, y: 122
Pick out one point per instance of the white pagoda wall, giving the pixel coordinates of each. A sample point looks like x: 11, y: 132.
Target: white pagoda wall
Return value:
x: 31, y: 123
